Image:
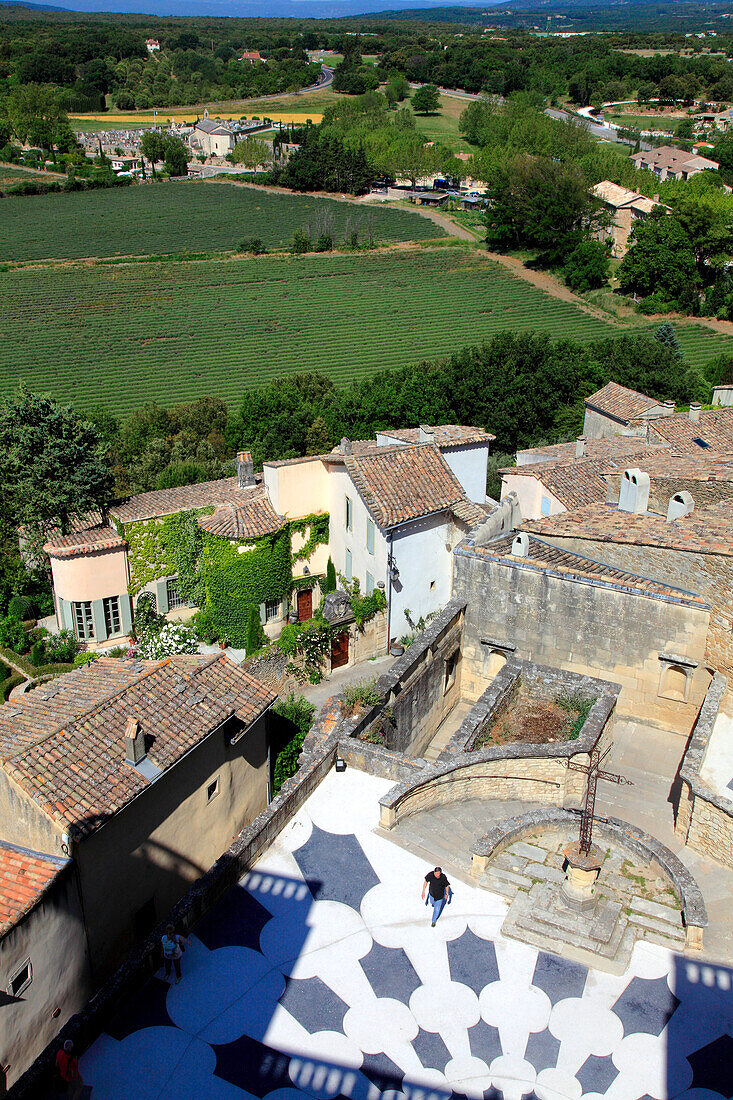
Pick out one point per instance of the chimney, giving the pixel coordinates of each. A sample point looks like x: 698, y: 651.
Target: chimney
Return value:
x: 655, y: 198
x: 427, y: 435
x: 580, y: 447
x: 634, y: 493
x: 520, y: 546
x: 245, y: 470
x: 668, y: 408
x: 345, y: 446
x: 681, y: 504
x: 134, y: 743
x: 694, y: 412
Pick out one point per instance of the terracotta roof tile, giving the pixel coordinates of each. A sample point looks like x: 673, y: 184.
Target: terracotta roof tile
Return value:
x: 83, y: 542
x: 24, y: 877
x: 249, y: 519
x: 620, y: 402
x: 166, y: 502
x: 606, y: 449
x: 401, y: 483
x: 64, y: 743
x: 708, y: 530
x: 445, y: 435
x: 713, y: 431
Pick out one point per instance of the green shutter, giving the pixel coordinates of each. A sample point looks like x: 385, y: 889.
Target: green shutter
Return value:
x: 161, y: 595
x: 263, y: 614
x: 125, y: 613
x: 66, y: 615
x: 100, y: 628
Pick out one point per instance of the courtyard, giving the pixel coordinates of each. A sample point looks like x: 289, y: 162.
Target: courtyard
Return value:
x: 319, y: 976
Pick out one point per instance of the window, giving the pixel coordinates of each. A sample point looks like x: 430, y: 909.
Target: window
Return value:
x: 272, y: 610
x: 175, y: 599
x: 370, y: 536
x: 369, y: 586
x: 112, y: 619
x: 348, y: 568
x: 349, y: 514
x: 545, y: 506
x: 212, y: 789
x: 21, y: 979
x: 83, y: 620
x: 451, y: 665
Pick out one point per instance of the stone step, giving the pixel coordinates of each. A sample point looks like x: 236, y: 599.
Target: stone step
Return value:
x: 504, y: 882
x: 529, y: 851
x: 507, y: 861
x: 673, y: 933
x: 544, y: 873
x: 664, y: 913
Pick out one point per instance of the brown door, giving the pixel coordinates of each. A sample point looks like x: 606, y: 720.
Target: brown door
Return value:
x: 305, y: 604
x: 339, y: 650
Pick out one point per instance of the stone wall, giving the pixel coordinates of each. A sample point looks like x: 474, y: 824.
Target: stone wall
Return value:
x: 704, y: 818
x: 584, y: 626
x: 709, y: 575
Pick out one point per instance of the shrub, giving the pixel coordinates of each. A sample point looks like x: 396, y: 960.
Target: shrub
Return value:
x: 172, y: 639
x: 146, y: 614
x: 86, y: 658
x: 362, y: 694
x: 587, y: 267
x: 297, y: 718
x: 12, y: 635
x: 204, y: 627
x: 4, y: 671
x: 255, y: 634
x: 330, y: 581
x: 61, y: 647
x: 12, y: 682
x: 301, y: 242
x: 38, y: 652
x: 21, y: 607
x: 324, y: 243
x: 254, y: 245
x: 117, y: 651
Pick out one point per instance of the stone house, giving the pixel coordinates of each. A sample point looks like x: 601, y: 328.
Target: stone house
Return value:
x: 613, y: 409
x: 693, y: 431
x: 215, y: 137
x: 666, y: 162
x: 139, y: 772
x: 625, y: 209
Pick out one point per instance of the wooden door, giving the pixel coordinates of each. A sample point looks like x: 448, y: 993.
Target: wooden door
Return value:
x: 339, y: 650
x: 305, y: 604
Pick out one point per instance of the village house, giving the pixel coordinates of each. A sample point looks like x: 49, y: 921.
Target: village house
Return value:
x: 152, y: 45
x: 252, y: 57
x: 626, y: 209
x: 611, y: 410
x: 666, y: 162
x: 120, y: 784
x: 215, y: 137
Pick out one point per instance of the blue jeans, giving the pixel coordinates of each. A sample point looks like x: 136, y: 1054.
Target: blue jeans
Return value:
x: 438, y: 904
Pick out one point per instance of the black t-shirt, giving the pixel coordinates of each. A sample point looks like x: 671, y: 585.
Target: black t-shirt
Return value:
x: 437, y: 884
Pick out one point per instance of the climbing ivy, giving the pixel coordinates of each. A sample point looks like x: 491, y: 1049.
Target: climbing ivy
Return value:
x: 236, y: 581
x: 318, y: 535
x: 149, y: 553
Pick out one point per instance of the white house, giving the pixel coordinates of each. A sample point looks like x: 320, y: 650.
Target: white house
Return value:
x: 464, y: 448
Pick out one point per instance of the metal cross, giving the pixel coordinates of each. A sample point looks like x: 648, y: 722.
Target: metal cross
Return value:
x: 594, y: 773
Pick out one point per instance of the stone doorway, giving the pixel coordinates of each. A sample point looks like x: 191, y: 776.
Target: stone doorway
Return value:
x: 339, y: 650
x: 305, y: 604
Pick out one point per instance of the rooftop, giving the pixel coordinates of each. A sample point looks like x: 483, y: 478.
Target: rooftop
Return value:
x: 713, y: 431
x: 83, y: 542
x: 24, y: 877
x: 707, y: 530
x: 620, y: 402
x: 617, y: 196
x: 249, y: 519
x: 543, y: 557
x: 688, y: 466
x: 594, y: 448
x: 64, y: 743
x: 444, y: 435
x: 667, y: 156
x: 401, y: 483
x: 572, y: 483
x: 166, y: 502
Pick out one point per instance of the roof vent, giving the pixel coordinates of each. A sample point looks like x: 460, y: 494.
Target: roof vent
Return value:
x: 681, y: 504
x: 345, y: 446
x: 427, y: 435
x: 520, y: 546
x: 134, y: 742
x: 580, y: 447
x: 245, y: 470
x: 668, y: 408
x: 694, y: 413
x: 634, y: 494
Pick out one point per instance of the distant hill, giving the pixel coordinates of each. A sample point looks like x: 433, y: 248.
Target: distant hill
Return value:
x: 692, y: 16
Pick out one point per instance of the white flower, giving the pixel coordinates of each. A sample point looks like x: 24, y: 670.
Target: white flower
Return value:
x: 173, y: 638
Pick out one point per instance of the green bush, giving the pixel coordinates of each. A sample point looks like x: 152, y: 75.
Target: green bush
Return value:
x: 10, y: 683
x: 301, y: 243
x: 146, y: 614
x: 329, y: 584
x: 61, y: 648
x: 4, y: 671
x: 12, y: 635
x: 324, y: 243
x: 297, y: 716
x: 361, y: 694
x: 21, y: 608
x: 38, y: 653
x: 203, y: 625
x: 255, y: 634
x: 254, y: 245
x: 86, y: 658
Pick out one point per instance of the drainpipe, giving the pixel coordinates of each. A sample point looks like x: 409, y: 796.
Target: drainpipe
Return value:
x: 389, y: 591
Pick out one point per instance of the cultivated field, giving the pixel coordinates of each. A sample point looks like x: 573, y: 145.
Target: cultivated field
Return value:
x: 185, y: 217
x: 123, y: 334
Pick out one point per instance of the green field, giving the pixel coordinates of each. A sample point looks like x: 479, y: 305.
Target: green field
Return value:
x: 184, y: 217
x: 124, y: 334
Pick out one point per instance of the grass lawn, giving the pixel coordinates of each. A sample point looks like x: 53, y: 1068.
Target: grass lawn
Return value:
x: 648, y: 122
x: 178, y: 217
x: 123, y: 334
x: 443, y: 127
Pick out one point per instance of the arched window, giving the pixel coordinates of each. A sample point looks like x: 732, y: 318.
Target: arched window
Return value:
x: 497, y: 660
x: 673, y: 684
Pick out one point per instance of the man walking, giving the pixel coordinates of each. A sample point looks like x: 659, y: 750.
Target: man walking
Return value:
x: 173, y: 947
x: 439, y: 887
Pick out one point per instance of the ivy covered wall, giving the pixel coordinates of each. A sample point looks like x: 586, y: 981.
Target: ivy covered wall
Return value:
x: 236, y: 581
x: 162, y: 547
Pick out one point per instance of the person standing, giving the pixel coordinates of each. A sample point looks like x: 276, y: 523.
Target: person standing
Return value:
x: 173, y: 947
x: 439, y: 891
x: 67, y: 1067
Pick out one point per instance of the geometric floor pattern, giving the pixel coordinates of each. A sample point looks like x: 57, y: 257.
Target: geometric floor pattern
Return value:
x: 320, y: 977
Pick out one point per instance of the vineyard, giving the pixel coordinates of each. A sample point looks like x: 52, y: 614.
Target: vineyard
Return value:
x: 165, y: 218
x: 124, y: 334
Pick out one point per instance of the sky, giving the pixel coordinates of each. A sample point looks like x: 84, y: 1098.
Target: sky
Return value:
x: 314, y: 9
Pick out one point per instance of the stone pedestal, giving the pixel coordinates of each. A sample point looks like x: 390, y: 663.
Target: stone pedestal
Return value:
x: 581, y: 872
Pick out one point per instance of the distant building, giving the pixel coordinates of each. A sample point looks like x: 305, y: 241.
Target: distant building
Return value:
x: 152, y: 44
x: 216, y: 137
x: 251, y: 56
x: 668, y: 163
x: 626, y: 208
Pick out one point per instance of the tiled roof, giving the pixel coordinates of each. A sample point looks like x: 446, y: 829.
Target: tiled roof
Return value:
x: 24, y: 876
x: 445, y: 435
x: 687, y: 466
x: 594, y: 448
x: 64, y: 743
x: 667, y: 156
x: 572, y: 483
x: 468, y: 512
x: 83, y: 542
x: 402, y: 483
x: 713, y: 431
x: 249, y: 520
x: 166, y: 502
x: 708, y: 530
x: 544, y: 557
x: 620, y: 402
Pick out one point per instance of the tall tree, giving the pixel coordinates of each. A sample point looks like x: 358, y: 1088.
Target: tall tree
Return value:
x: 55, y: 465
x: 426, y: 100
